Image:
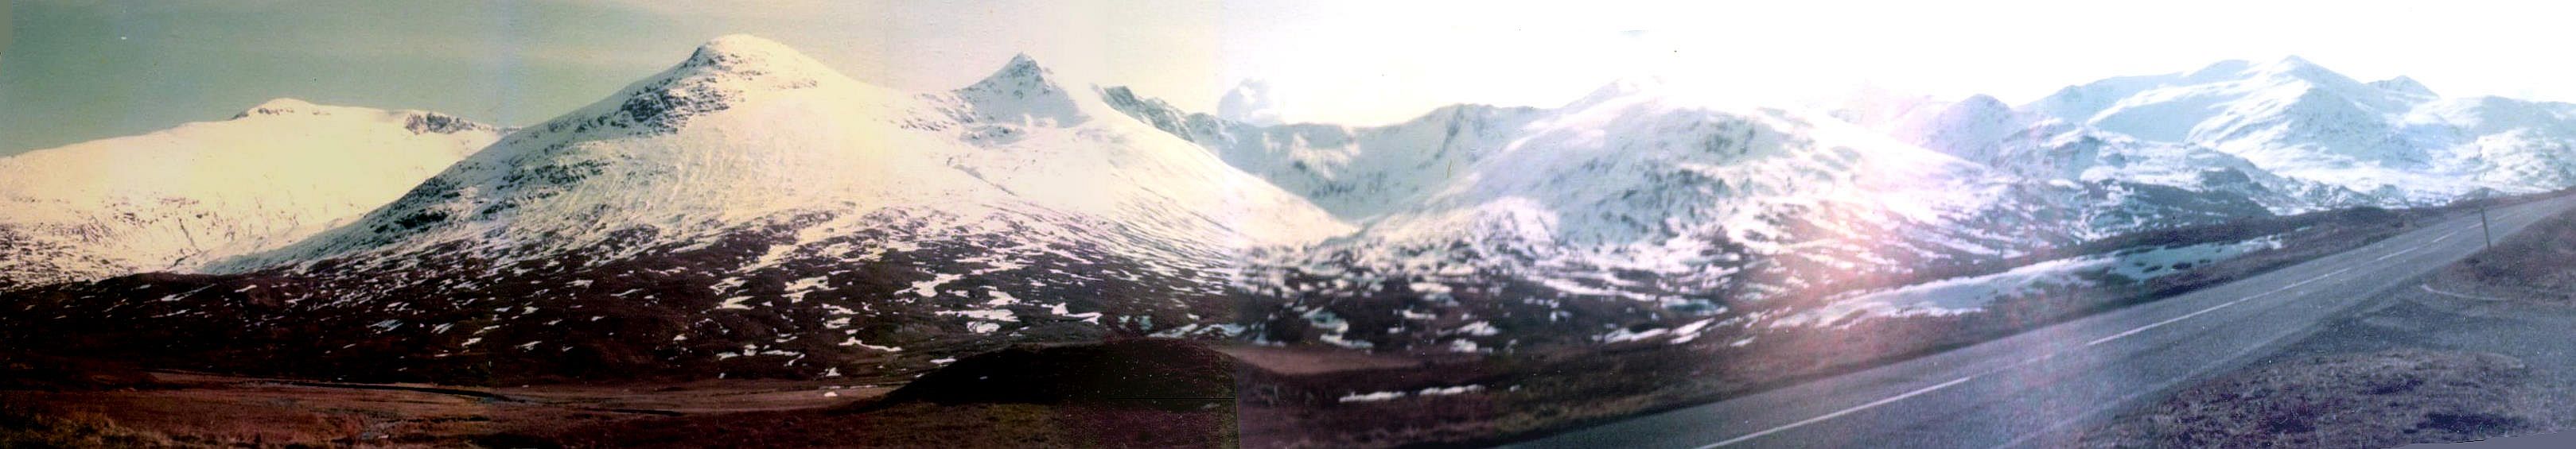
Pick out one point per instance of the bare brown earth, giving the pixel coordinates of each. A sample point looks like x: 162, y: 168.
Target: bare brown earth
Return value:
x: 216, y: 411
x: 184, y: 409
x: 1517, y: 394
x: 1091, y: 388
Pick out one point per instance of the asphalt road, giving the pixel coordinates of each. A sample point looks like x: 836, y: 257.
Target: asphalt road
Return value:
x: 2034, y: 388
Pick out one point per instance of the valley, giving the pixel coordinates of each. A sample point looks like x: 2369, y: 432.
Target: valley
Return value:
x: 750, y: 237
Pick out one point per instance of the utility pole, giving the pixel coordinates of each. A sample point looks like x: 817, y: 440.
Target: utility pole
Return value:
x: 2482, y: 223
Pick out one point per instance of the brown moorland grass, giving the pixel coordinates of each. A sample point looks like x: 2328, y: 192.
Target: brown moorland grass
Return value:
x: 913, y: 425
x: 24, y: 428
x: 1519, y: 395
x: 2379, y: 399
x: 186, y: 409
x: 2537, y: 264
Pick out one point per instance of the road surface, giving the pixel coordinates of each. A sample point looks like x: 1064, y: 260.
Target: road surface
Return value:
x: 2032, y: 388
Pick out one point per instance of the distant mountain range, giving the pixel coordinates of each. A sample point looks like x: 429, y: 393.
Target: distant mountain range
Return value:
x: 2393, y: 139
x: 750, y: 212
x: 178, y: 199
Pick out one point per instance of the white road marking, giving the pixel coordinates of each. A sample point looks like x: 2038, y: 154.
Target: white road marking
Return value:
x: 2186, y: 316
x: 2023, y: 438
x: 2213, y: 308
x: 2322, y: 276
x: 2305, y: 282
x: 1838, y: 413
x: 1963, y: 379
x: 2394, y: 254
x: 2133, y: 395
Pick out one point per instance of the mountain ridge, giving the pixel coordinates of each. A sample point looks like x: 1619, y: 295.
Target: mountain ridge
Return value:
x: 178, y: 198
x: 749, y: 211
x: 2394, y: 139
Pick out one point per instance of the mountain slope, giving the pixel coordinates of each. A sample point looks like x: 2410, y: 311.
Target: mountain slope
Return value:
x: 2508, y: 144
x: 1358, y: 173
x: 751, y: 212
x: 707, y: 147
x: 1490, y: 227
x: 1984, y: 130
x: 179, y: 198
x: 2394, y: 139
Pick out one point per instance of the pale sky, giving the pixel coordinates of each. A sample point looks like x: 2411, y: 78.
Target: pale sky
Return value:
x: 75, y: 71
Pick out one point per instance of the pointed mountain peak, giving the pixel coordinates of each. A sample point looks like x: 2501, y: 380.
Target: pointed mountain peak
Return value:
x: 1968, y: 128
x: 1024, y: 92
x: 1981, y: 102
x: 2300, y: 68
x: 1978, y: 108
x: 1019, y: 60
x: 2404, y: 84
x: 742, y: 44
x: 752, y: 55
x: 720, y: 74
x: 1021, y: 77
x: 281, y: 106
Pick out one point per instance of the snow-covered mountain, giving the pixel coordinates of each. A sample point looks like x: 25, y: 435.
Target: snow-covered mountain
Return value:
x: 2508, y: 144
x: 2395, y: 139
x: 1251, y: 102
x: 1490, y: 226
x: 752, y: 212
x: 1984, y: 130
x: 176, y: 199
x: 708, y: 147
x: 1357, y: 173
